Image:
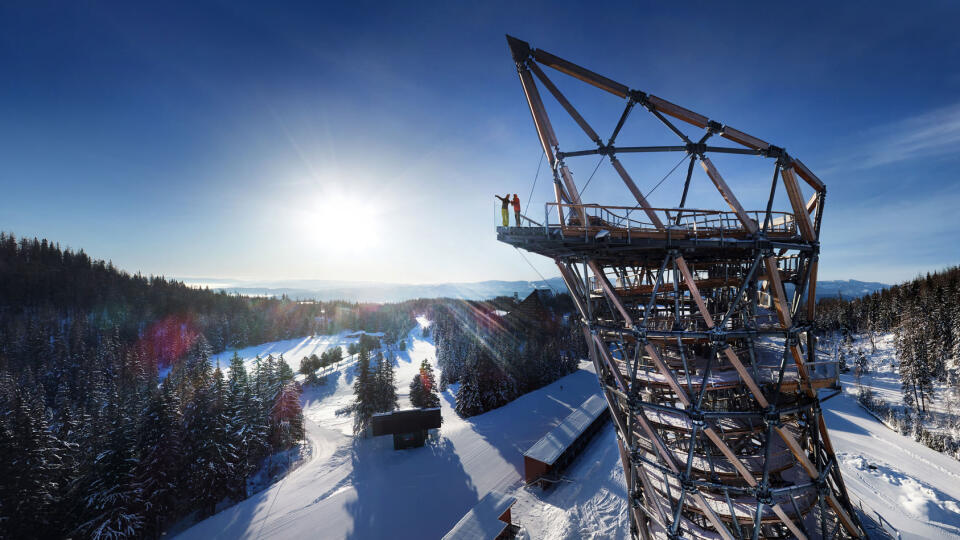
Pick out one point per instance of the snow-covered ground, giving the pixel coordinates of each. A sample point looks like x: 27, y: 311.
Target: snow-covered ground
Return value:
x: 364, y: 489
x: 882, y: 377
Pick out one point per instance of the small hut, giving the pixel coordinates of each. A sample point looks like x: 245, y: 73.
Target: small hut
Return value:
x: 409, y: 427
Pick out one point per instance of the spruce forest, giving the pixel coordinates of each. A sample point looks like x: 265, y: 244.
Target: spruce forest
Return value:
x: 113, y: 421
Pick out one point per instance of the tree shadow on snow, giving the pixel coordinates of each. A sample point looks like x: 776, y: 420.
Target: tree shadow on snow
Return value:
x: 412, y: 493
x: 314, y: 393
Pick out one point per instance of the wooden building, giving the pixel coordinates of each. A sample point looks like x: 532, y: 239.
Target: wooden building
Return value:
x: 409, y: 427
x: 489, y: 520
x: 557, y: 449
x: 531, y: 315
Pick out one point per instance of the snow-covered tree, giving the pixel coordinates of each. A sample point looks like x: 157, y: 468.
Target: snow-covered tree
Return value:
x: 385, y: 399
x: 287, y: 417
x: 364, y: 388
x: 159, y: 473
x: 423, y: 388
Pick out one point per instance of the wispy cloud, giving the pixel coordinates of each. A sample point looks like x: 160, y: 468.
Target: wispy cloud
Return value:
x: 931, y: 134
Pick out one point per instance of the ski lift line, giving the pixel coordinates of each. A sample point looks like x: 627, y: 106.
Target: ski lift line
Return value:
x: 543, y: 279
x: 526, y: 208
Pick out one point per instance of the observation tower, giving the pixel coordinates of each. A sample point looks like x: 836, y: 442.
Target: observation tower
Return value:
x: 699, y: 321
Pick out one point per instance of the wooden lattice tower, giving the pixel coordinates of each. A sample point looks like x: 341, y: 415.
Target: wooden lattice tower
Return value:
x: 707, y: 361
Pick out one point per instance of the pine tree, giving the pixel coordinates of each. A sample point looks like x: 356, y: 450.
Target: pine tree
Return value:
x: 287, y: 417
x: 417, y: 392
x: 159, y: 472
x: 212, y: 459
x: 113, y: 501
x: 363, y: 388
x: 861, y: 363
x: 30, y: 466
x: 429, y: 383
x: 385, y: 389
x: 257, y: 416
x: 469, y: 395
x: 239, y: 406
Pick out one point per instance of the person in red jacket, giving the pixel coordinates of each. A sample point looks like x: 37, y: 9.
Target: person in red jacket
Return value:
x: 516, y: 208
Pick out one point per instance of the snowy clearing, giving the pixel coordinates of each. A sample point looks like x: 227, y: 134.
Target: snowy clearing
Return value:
x: 358, y: 488
x: 362, y: 488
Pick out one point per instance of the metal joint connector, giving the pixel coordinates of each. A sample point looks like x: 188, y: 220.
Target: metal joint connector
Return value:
x: 638, y: 97
x: 772, y: 417
x: 774, y: 152
x: 688, y: 484
x: 696, y: 149
x: 714, y: 127
x: 696, y: 416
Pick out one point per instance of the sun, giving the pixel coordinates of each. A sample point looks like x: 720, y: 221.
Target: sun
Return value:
x: 341, y: 221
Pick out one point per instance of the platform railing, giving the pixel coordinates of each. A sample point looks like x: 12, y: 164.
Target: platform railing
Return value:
x: 626, y: 220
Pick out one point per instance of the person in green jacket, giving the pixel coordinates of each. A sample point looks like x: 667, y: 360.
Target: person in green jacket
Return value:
x: 504, y: 211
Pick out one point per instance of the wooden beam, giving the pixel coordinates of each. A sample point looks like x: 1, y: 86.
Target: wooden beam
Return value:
x: 648, y: 489
x: 749, y: 224
x: 777, y: 292
x: 581, y: 73
x: 561, y: 196
x: 800, y: 213
x: 608, y: 289
x: 570, y: 282
x: 738, y: 136
x: 812, y: 291
x: 694, y: 291
x: 611, y: 365
x: 565, y: 103
x: 808, y: 176
x: 678, y: 112
x: 573, y: 194
x: 746, y: 376
x: 848, y: 523
x: 544, y: 130
x: 667, y: 374
x: 712, y: 517
x: 651, y: 213
x: 812, y: 203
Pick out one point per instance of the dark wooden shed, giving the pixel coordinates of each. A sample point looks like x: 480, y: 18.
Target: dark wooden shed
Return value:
x: 409, y: 427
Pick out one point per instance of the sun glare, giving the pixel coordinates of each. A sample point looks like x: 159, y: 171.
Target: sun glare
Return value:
x: 341, y: 221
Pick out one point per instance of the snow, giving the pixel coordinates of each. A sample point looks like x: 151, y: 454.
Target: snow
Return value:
x: 362, y: 488
x: 293, y: 350
x: 549, y: 448
x: 914, y: 488
x: 483, y: 520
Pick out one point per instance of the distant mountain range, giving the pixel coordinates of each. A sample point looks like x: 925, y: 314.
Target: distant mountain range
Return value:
x: 848, y: 289
x: 367, y: 291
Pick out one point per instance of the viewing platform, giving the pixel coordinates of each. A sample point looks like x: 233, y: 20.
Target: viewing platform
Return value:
x: 564, y: 231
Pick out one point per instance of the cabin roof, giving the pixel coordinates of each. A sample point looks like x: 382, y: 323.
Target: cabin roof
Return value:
x: 483, y: 520
x: 552, y: 445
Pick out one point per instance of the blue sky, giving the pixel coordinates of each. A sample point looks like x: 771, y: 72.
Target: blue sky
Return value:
x: 365, y: 141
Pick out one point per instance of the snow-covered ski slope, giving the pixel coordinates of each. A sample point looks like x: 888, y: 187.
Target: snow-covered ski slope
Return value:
x: 364, y: 489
